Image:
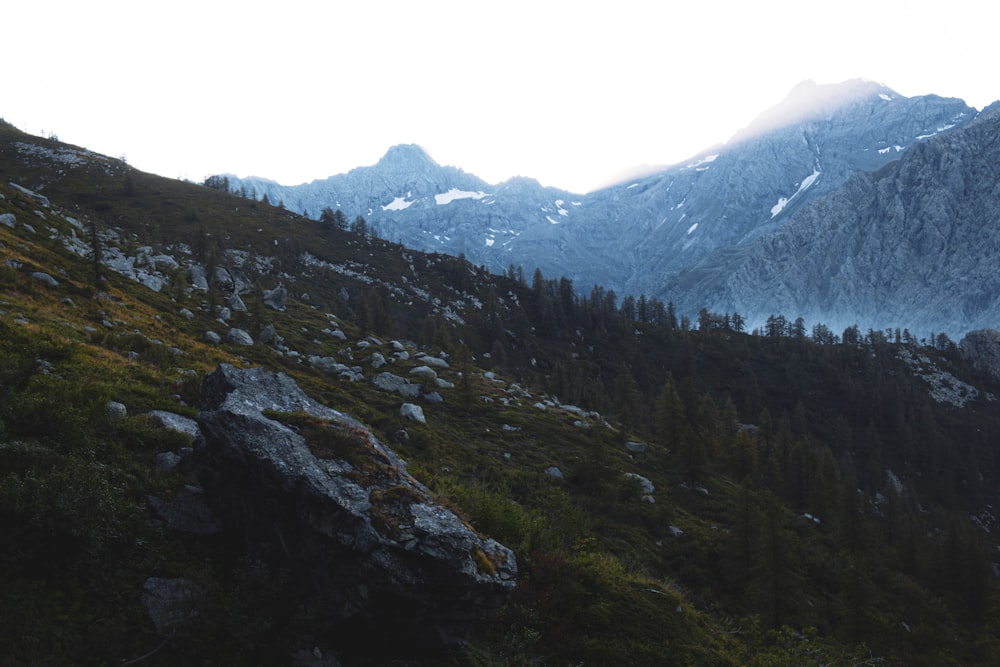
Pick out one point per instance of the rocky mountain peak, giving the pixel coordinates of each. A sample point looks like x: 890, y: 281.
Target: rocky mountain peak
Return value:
x: 809, y: 99
x: 407, y: 155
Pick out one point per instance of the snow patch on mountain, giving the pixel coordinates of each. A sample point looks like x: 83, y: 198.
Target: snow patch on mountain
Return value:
x: 397, y: 204
x: 699, y: 165
x: 455, y: 193
x: 803, y: 186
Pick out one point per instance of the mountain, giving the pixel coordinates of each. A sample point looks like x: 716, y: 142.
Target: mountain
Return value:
x: 231, y: 434
x: 914, y: 244
x: 639, y: 236
x: 407, y: 197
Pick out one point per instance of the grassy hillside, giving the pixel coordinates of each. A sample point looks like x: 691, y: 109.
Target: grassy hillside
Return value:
x: 810, y: 503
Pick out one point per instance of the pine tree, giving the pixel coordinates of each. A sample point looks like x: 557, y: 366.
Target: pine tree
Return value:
x: 96, y: 259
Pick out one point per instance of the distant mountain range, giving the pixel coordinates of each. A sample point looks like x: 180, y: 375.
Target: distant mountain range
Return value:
x: 798, y: 214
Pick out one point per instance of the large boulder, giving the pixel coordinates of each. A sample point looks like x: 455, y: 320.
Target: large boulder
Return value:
x: 314, y: 491
x: 402, y: 386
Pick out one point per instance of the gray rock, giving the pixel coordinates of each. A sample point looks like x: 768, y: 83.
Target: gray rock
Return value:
x: 378, y: 361
x: 553, y: 471
x: 433, y: 397
x: 175, y: 422
x: 8, y: 220
x: 326, y: 364
x: 275, y: 299
x: 401, y: 386
x: 197, y: 277
x: 152, y: 282
x: 574, y: 410
x: 213, y: 337
x: 414, y: 412
x: 240, y: 337
x: 169, y: 602
x: 635, y: 447
x: 44, y: 278
x: 433, y: 361
x: 167, y: 461
x: 116, y: 410
x: 235, y: 303
x: 268, y: 334
x: 223, y: 279
x: 423, y: 372
x: 646, y: 485
x: 186, y: 314
x: 373, y: 547
x: 163, y: 263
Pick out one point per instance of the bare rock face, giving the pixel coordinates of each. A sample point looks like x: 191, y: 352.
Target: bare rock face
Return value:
x: 314, y: 492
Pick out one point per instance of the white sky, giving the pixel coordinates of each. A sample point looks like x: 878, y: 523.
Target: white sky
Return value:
x: 566, y: 92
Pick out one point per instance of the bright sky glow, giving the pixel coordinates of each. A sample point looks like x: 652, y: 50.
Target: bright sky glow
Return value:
x: 572, y: 94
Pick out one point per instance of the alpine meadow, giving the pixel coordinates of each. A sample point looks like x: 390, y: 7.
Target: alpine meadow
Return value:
x: 739, y: 411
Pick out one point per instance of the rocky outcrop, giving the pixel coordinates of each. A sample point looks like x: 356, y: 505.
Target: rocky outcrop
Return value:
x: 981, y: 348
x: 314, y: 492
